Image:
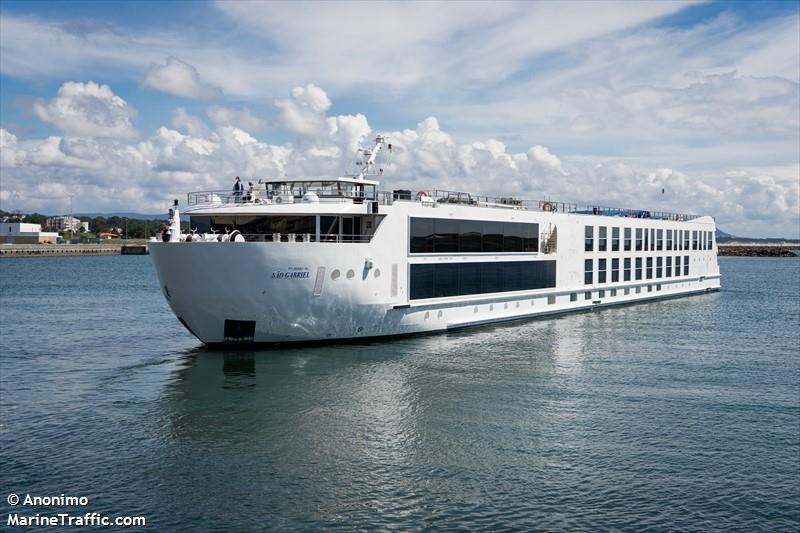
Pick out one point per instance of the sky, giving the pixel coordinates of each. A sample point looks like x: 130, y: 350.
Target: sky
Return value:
x: 126, y: 105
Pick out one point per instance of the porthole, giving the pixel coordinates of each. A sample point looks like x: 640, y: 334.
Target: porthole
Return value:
x: 491, y: 307
x: 505, y: 306
x: 439, y: 314
x: 517, y: 305
x: 427, y: 315
x: 335, y: 274
x: 475, y: 310
x: 377, y: 272
x: 350, y: 274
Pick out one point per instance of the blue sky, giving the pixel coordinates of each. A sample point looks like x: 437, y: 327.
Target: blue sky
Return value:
x: 128, y: 103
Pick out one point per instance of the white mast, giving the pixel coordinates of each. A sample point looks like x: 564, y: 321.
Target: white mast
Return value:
x: 370, y: 156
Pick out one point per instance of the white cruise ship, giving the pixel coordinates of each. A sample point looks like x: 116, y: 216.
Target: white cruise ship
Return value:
x: 329, y: 259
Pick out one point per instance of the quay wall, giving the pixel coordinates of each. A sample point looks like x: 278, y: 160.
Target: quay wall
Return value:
x: 61, y: 250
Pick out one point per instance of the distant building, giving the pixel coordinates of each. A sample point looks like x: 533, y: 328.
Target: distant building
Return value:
x: 23, y: 233
x: 67, y: 223
x: 113, y: 234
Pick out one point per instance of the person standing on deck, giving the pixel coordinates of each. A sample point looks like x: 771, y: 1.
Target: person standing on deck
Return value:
x: 237, y: 190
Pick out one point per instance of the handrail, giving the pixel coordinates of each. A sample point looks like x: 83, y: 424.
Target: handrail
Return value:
x: 429, y: 197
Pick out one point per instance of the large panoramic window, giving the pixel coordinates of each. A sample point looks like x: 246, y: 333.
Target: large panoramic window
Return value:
x: 615, y: 239
x: 448, y: 236
x: 638, y: 239
x: 602, y: 239
x: 460, y: 279
x: 588, y: 271
x: 627, y: 239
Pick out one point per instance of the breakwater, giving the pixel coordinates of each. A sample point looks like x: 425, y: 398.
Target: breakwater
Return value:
x: 61, y: 250
x: 759, y: 250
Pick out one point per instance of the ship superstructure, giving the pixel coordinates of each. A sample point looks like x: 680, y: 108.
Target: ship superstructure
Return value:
x: 298, y: 260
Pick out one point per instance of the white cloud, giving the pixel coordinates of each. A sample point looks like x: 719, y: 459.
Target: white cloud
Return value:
x: 88, y: 109
x: 241, y: 118
x: 113, y: 174
x: 179, y: 78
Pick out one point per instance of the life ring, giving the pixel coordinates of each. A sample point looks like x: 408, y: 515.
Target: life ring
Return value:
x: 422, y: 194
x: 278, y: 200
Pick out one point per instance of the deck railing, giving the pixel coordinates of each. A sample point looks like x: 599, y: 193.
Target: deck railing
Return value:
x: 431, y: 197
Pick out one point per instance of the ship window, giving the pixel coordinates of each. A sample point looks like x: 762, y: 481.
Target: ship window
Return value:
x: 649, y: 268
x: 614, y: 270
x: 659, y: 239
x: 658, y: 286
x: 685, y: 265
x: 686, y: 239
x: 694, y: 240
x: 613, y: 292
x: 677, y: 265
x: 710, y: 240
x: 638, y: 239
x: 446, y: 236
x: 601, y: 271
x: 602, y: 294
x: 649, y: 288
x: 652, y: 239
x: 669, y: 239
x: 627, y: 291
x: 615, y: 239
x: 659, y: 267
x: 601, y: 240
x: 587, y: 295
x: 627, y: 269
x: 470, y: 236
x: 668, y: 270
x: 551, y: 299
x: 573, y: 297
x: 588, y: 241
x: 646, y: 241
x: 628, y: 239
x: 638, y: 268
x: 588, y: 272
x: 329, y: 228
x: 638, y: 290
x: 457, y: 279
x: 429, y: 235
